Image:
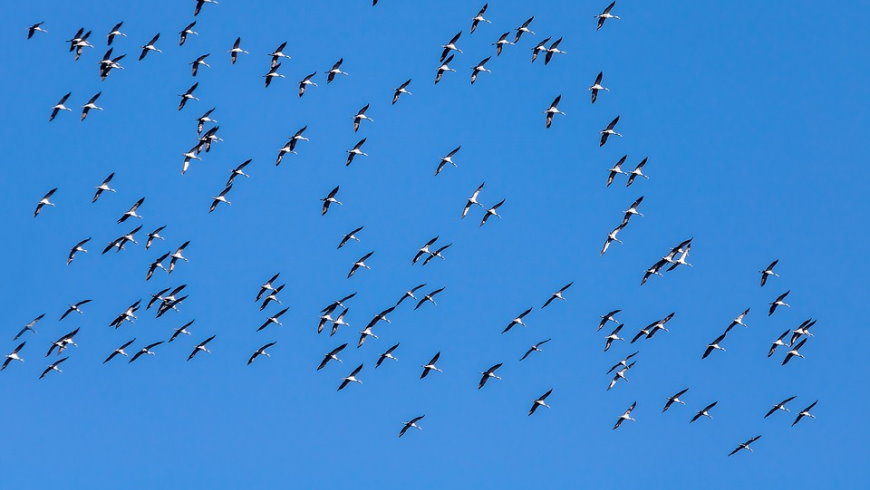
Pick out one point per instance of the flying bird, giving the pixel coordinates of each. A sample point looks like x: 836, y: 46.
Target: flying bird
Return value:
x: 604, y: 15
x: 558, y: 294
x: 625, y: 416
x: 540, y: 402
x: 55, y: 109
x: 502, y: 42
x: 429, y: 298
x: 75, y: 308
x: 78, y: 247
x: 103, y: 187
x: 260, y: 352
x: 305, y: 83
x: 803, y: 413
x: 145, y: 350
x: 273, y: 319
x: 335, y: 70
x: 63, y: 342
x: 778, y: 302
x: 517, y: 321
x: 267, y: 286
x: 450, y: 46
x: 350, y: 236
x: 200, y: 347
x: 675, y: 398
x: 794, y: 352
x: 539, y: 48
x: 489, y: 373
x: 361, y: 263
x: 116, y: 31
x: 149, y: 46
x: 779, y: 406
x: 182, y: 36
x: 28, y: 327
x: 802, y: 329
x: 615, y: 170
x: 356, y: 150
x: 45, y: 201
x: 86, y: 109
x: 351, y: 378
x: 614, y: 335
x: 410, y: 294
x: 411, y: 423
x: 236, y: 50
x: 479, y: 68
x: 178, y: 255
x: 606, y: 132
x: 360, y: 115
x: 443, y: 68
x: 199, y: 61
x: 534, y: 348
x: 472, y: 200
x: 402, y: 89
x: 331, y: 356
x: 479, y: 18
x: 744, y: 445
x: 714, y: 346
x: 424, y: 250
x: 131, y: 213
x: 53, y: 367
x: 182, y: 330
x: 596, y: 86
x: 778, y: 342
x: 222, y: 197
x: 33, y: 29
x: 553, y: 49
x: 437, y: 253
x: 704, y: 412
x: 523, y: 29
x: 430, y: 366
x: 388, y: 354
x: 637, y: 172
x: 200, y: 4
x: 13, y: 356
x: 273, y: 73
x: 493, y: 211
x: 553, y: 110
x: 120, y: 351
x: 238, y: 171
x: 768, y: 271
x: 620, y: 375
x: 608, y: 317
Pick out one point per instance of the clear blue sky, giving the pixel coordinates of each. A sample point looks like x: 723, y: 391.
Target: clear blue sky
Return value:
x: 754, y: 118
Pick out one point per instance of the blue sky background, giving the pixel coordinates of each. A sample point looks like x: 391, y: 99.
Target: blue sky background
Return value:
x: 754, y: 119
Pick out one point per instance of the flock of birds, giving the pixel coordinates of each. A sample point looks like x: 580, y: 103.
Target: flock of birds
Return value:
x: 334, y: 315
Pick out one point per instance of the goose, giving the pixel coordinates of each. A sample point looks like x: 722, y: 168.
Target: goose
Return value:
x: 182, y: 330
x: 62, y: 343
x: 606, y: 132
x: 444, y: 67
x: 489, y: 373
x: 131, y: 213
x: 55, y: 109
x: 493, y: 211
x: 616, y: 169
x: 632, y: 211
x: 267, y: 286
x: 402, y: 89
x: 596, y: 86
x: 410, y: 294
x: 356, y: 150
x: 33, y: 29
x: 611, y: 237
x: 178, y: 255
x: 524, y: 28
x: 802, y: 329
x: 803, y: 413
x: 779, y: 406
x: 129, y: 315
x: 778, y: 302
x: 278, y: 53
x: 236, y: 50
x: 614, y: 335
x: 429, y: 298
x: 620, y: 375
x: 360, y: 115
x: 553, y: 110
x: 553, y: 49
x: 350, y: 236
x: 361, y: 263
x: 534, y: 348
x: 305, y: 83
x: 501, y: 43
x: 53, y: 367
x: 273, y: 73
x: 637, y: 172
x: 450, y: 46
x: 78, y: 247
x: 778, y: 342
x: 120, y: 351
x: 90, y: 105
x: 604, y: 15
x: 539, y: 48
x: 116, y: 31
x: 273, y: 319
x: 704, y: 412
x: 479, y: 18
x: 13, y: 356
x: 351, y: 378
x: 430, y: 366
x: 744, y: 445
x: 424, y: 250
x: 221, y: 198
x: 472, y: 201
x: 794, y: 352
x: 388, y: 354
x: 272, y: 297
x: 608, y: 317
x: 75, y: 307
x: 238, y: 171
x: 540, y: 402
x: 205, y: 118
x: 103, y: 187
x: 411, y: 423
x: 622, y: 363
x: 195, y: 64
x: 768, y: 271
x: 335, y: 70
x: 145, y: 350
x: 517, y: 321
x: 331, y: 356
x: 625, y: 416
x: 714, y: 346
x: 479, y: 68
x: 29, y: 327
x: 675, y: 398
x: 200, y: 347
x: 260, y: 352
x: 199, y: 5
x: 45, y: 201
x: 148, y: 47
x: 339, y: 322
x: 188, y: 30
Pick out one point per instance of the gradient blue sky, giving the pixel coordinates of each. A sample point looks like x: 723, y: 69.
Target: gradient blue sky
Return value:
x: 754, y: 118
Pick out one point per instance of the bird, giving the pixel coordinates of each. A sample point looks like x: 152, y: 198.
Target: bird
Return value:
x: 28, y: 327
x: 222, y: 197
x: 606, y: 132
x: 437, y: 253
x: 75, y: 307
x: 200, y: 4
x: 236, y: 50
x: 273, y: 73
x: 803, y: 413
x: 540, y: 402
x: 361, y: 263
x: 596, y: 86
x: 120, y: 351
x: 335, y: 70
x: 55, y: 109
x: 632, y: 211
x: 659, y: 325
x: 103, y: 187
x: 558, y: 294
x: 539, y: 48
x: 517, y: 321
x: 501, y: 43
x: 744, y: 445
x: 13, y: 356
x: 182, y: 330
x: 802, y: 329
x: 360, y: 115
x: 738, y: 320
x: 779, y: 406
x: 675, y: 398
x: 381, y: 317
x: 305, y: 83
x: 553, y: 49
x: 188, y: 30
x: 714, y: 346
x: 611, y: 237
x: 534, y: 348
x: 443, y: 68
x: 129, y: 315
x: 331, y: 356
x: 489, y: 373
x: 267, y: 286
x: 450, y: 46
x: 351, y: 378
x: 33, y: 29
x: 45, y: 201
x: 614, y: 335
x: 768, y: 271
x: 116, y: 31
x: 154, y: 235
x: 411, y: 423
x: 794, y: 352
x: 273, y: 319
x: 429, y: 298
x: 493, y: 211
x: 620, y: 375
x: 188, y: 95
x: 53, y: 367
x: 145, y: 350
x: 604, y: 15
x: 260, y: 352
x: 338, y: 322
x: 78, y: 37
x: 200, y: 347
x: 63, y: 342
x: 637, y: 172
x: 778, y: 342
x: 131, y: 213
x: 200, y: 60
x: 238, y: 171
x: 553, y: 110
x: 350, y: 236
x: 205, y: 118
x: 149, y: 46
x: 430, y: 366
x: 387, y: 354
x: 623, y: 362
x: 704, y: 412
x: 778, y: 302
x: 447, y: 159
x: 524, y: 28
x: 616, y: 169
x: 86, y: 109
x: 625, y: 416
x: 78, y: 247
x: 353, y: 152
x: 178, y: 255
x: 364, y: 334
x: 123, y: 240
x: 272, y: 297
x: 480, y: 67
x: 472, y: 200
x: 608, y: 317
x: 424, y: 250
x: 479, y: 18
x: 278, y: 53
x: 402, y: 89
x: 410, y: 294
x: 79, y: 43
